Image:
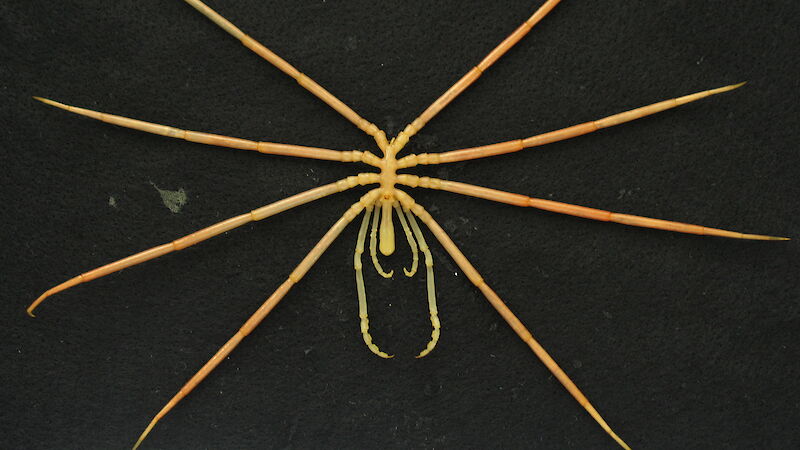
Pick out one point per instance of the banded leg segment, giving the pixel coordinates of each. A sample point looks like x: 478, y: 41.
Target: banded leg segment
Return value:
x: 362, y: 291
x: 508, y: 316
x: 575, y: 210
x: 209, y: 232
x: 470, y: 77
x: 516, y: 145
x: 269, y: 148
x: 267, y: 307
x: 303, y: 80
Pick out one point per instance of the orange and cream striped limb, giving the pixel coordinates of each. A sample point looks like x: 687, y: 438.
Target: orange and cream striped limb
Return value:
x: 574, y: 210
x: 473, y: 74
x: 267, y: 307
x: 506, y: 313
x: 269, y: 148
x: 303, y: 80
x: 516, y: 145
x: 209, y: 232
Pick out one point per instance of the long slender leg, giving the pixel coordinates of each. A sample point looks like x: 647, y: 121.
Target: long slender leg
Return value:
x: 470, y: 77
x: 431, y: 286
x: 506, y: 314
x: 221, y: 141
x: 516, y: 145
x: 574, y: 210
x: 209, y: 232
x: 362, y: 291
x: 262, y: 312
x: 373, y: 244
x: 309, y: 84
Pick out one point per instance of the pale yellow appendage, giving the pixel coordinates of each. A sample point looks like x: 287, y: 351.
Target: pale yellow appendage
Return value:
x: 373, y: 246
x: 411, y: 242
x: 431, y: 285
x: 386, y: 244
x: 362, y: 292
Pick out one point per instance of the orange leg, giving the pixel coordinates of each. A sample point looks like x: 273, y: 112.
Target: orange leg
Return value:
x: 506, y: 313
x: 262, y: 312
x: 516, y: 145
x: 310, y: 85
x: 573, y: 210
x: 209, y: 232
x: 470, y: 77
x: 221, y: 141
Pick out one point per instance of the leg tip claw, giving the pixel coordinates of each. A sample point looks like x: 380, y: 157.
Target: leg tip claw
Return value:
x: 36, y: 303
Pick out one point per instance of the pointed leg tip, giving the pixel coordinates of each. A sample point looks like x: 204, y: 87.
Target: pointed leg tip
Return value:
x: 618, y: 439
x: 423, y: 354
x: 36, y: 303
x: 727, y: 88
x: 54, y: 103
x: 731, y: 87
x: 144, y: 435
x: 759, y: 237
x: 387, y: 275
x: 45, y: 100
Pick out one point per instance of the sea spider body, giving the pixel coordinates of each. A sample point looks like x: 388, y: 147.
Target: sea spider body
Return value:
x: 387, y: 198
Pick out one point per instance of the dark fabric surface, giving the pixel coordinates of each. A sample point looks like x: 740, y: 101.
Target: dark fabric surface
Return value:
x: 679, y: 341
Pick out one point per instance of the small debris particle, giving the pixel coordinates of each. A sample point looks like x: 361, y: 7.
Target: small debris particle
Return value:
x: 174, y: 200
x: 112, y: 202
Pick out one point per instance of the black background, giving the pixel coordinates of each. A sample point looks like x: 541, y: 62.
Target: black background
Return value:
x: 679, y: 341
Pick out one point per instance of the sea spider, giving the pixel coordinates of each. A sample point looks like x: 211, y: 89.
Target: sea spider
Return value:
x: 393, y: 198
